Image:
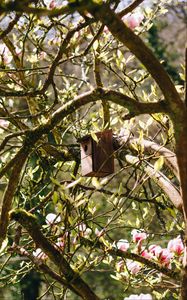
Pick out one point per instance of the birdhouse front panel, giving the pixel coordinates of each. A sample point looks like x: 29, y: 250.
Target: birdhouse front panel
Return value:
x: 97, y: 158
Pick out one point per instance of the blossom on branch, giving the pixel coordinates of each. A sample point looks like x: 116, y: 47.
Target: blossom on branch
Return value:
x: 123, y: 245
x: 176, y: 246
x: 52, y: 219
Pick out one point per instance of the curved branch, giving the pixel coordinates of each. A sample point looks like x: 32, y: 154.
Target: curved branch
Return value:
x: 10, y: 191
x: 135, y: 44
x: 29, y: 222
x: 133, y: 256
x: 161, y: 180
x: 10, y: 26
x: 150, y: 147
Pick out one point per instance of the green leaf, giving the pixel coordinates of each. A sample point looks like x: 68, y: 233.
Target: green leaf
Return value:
x: 55, y: 197
x: 96, y: 183
x: 4, y: 244
x: 73, y: 183
x: 159, y: 163
x: 94, y: 137
x: 96, y: 45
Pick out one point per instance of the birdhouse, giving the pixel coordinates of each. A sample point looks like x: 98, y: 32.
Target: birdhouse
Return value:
x: 97, y: 158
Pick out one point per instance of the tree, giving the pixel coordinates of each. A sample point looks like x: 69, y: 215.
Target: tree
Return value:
x: 69, y: 70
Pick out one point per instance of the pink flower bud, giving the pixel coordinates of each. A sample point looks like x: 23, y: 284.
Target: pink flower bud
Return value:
x: 155, y: 250
x: 133, y: 266
x: 4, y: 123
x: 138, y: 236
x: 146, y: 254
x: 133, y: 20
x: 176, y: 246
x: 52, y: 4
x: 123, y: 245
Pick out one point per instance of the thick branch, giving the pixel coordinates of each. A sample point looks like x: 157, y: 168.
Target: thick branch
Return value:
x: 29, y: 222
x: 135, y: 44
x: 9, y: 193
x: 149, y: 147
x: 161, y: 180
x: 133, y: 256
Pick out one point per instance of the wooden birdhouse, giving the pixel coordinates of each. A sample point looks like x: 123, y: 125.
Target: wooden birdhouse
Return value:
x: 97, y: 158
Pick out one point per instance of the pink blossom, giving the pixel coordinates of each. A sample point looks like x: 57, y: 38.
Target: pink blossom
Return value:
x: 163, y: 255
x: 138, y: 236
x: 133, y: 20
x: 84, y: 231
x: 99, y: 233
x: 146, y: 254
x: 4, y: 123
x: 60, y: 243
x: 176, y: 246
x: 133, y: 266
x: 155, y: 250
x: 52, y: 4
x: 52, y: 219
x: 82, y: 227
x: 39, y: 254
x: 123, y: 245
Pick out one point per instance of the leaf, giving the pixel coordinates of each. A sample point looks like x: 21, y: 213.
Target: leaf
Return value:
x: 73, y: 183
x: 159, y: 163
x: 56, y: 182
x: 96, y: 45
x: 120, y: 189
x: 96, y: 183
x: 79, y: 203
x: 55, y: 197
x: 4, y: 244
x: 94, y: 137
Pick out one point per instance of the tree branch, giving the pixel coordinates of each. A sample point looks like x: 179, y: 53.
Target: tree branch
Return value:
x: 133, y: 256
x: 161, y: 180
x: 135, y: 44
x: 29, y: 222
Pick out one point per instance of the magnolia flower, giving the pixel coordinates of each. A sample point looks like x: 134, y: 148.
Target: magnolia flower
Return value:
x: 52, y: 4
x: 52, y: 219
x: 84, y: 231
x: 60, y: 242
x: 146, y: 254
x: 82, y: 227
x: 133, y: 266
x: 155, y: 250
x: 138, y: 236
x: 4, y: 123
x: 123, y: 245
x: 163, y: 255
x: 176, y: 246
x: 39, y: 254
x: 133, y: 20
